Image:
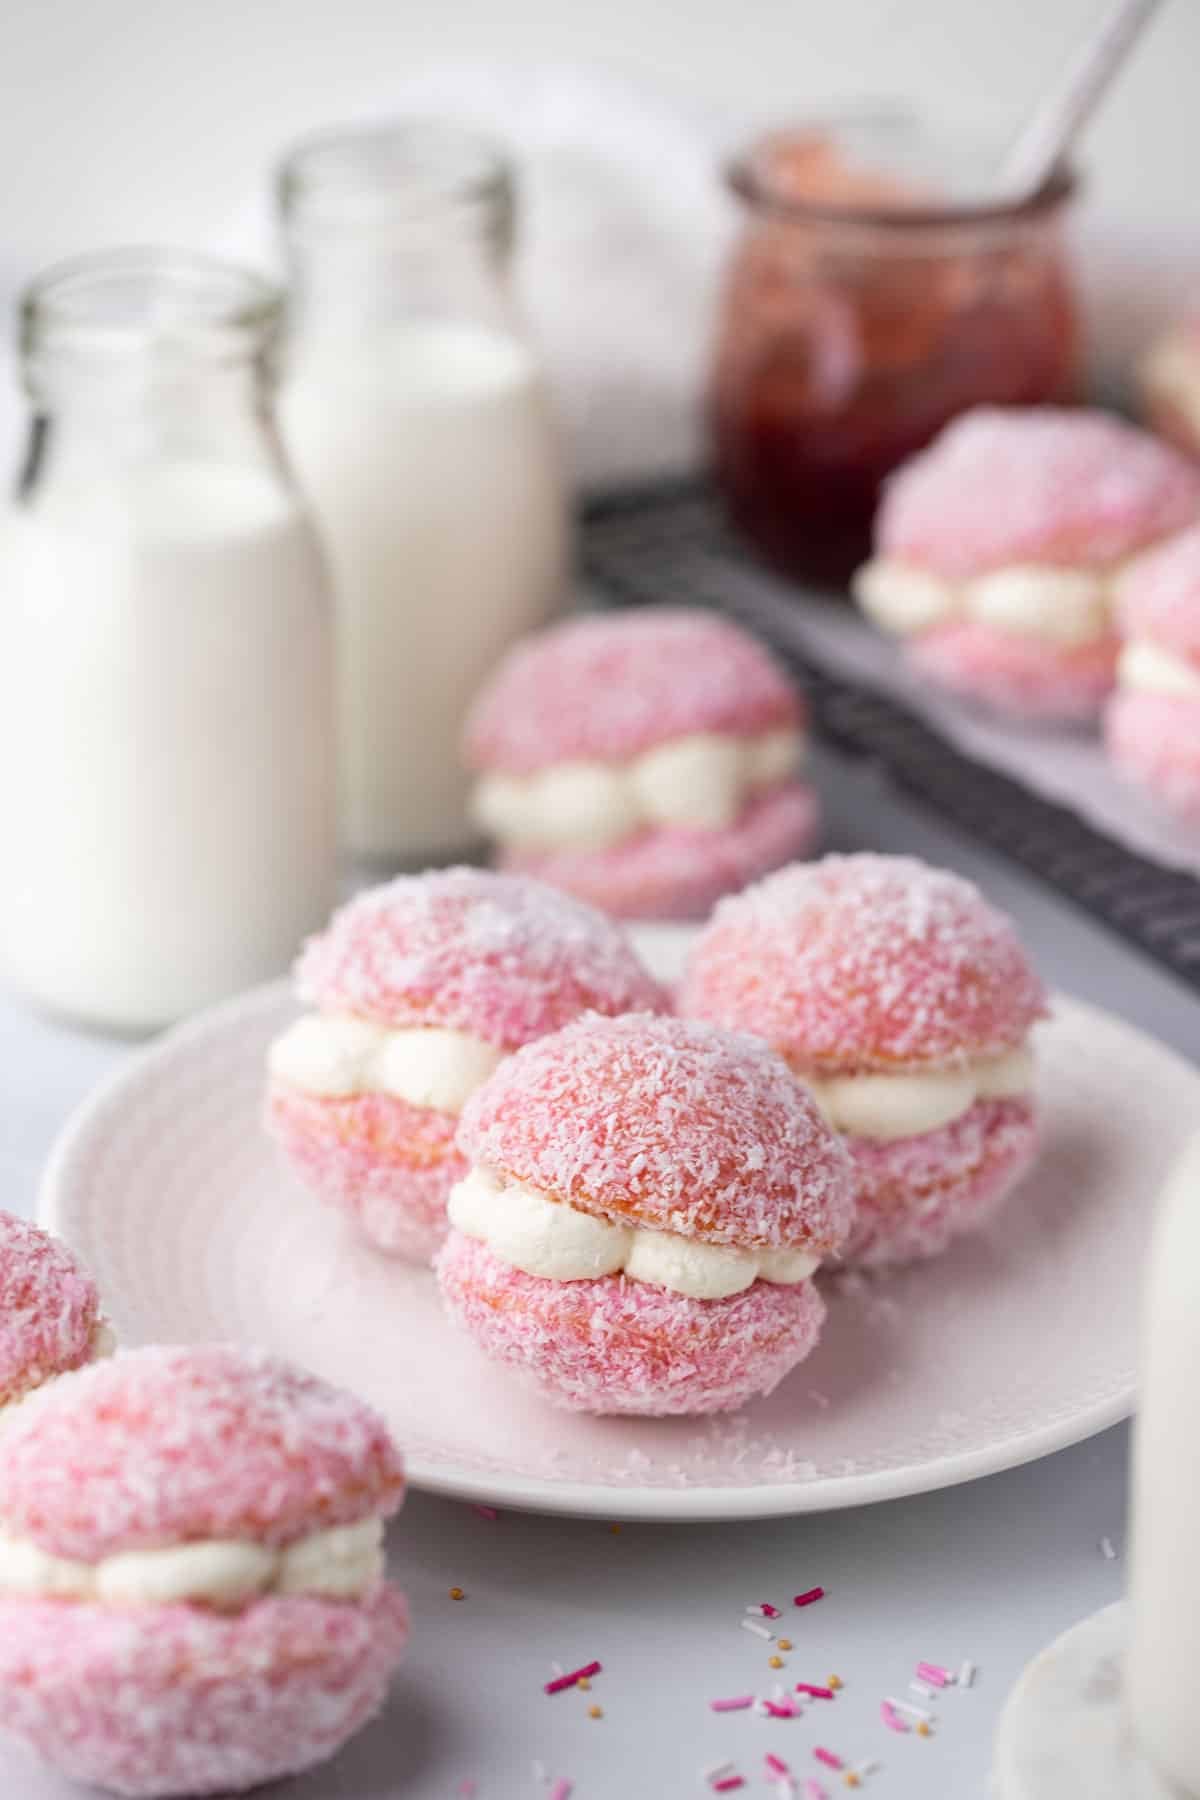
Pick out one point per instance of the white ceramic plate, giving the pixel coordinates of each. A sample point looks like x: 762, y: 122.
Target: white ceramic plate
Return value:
x: 1016, y: 1343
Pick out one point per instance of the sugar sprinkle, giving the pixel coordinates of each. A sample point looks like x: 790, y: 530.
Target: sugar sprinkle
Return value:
x: 966, y: 1675
x: 816, y: 1693
x: 828, y: 1758
x: 1108, y: 1549
x: 567, y: 1681
x: 906, y: 1707
x: 737, y: 1703
x: 807, y: 1598
x: 758, y: 1629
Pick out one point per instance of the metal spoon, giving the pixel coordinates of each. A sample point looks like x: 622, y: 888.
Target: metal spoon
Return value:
x: 1047, y: 135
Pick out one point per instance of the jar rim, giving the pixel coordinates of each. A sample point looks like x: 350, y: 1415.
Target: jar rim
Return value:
x: 750, y: 182
x: 144, y: 296
x: 393, y: 170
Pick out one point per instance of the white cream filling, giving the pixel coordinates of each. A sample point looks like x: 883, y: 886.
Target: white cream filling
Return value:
x: 551, y: 1239
x: 1171, y: 372
x: 1148, y: 669
x: 330, y: 1055
x: 1066, y: 607
x: 700, y: 782
x: 909, y: 1103
x: 341, y: 1564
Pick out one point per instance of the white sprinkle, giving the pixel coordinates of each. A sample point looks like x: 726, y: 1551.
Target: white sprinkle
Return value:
x: 758, y: 1630
x: 921, y: 1691
x: 539, y: 1770
x: 1108, y: 1549
x: 557, y: 1669
x: 785, y: 1788
x: 717, y: 1772
x: 863, y: 1769
x: 779, y: 1693
x: 757, y: 1611
x: 914, y: 1712
x: 966, y: 1675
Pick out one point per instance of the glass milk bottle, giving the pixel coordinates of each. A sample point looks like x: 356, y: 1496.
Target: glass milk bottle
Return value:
x: 418, y: 422
x: 1164, y: 1636
x: 167, y: 775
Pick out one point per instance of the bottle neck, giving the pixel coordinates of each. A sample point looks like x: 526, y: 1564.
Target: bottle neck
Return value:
x: 132, y: 362
x: 396, y: 224
x: 379, y: 279
x: 91, y: 419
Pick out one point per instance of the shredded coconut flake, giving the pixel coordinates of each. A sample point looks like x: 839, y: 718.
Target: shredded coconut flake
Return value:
x: 503, y: 956
x: 607, y: 686
x: 1046, y: 485
x: 164, y: 1446
x: 673, y: 1124
x: 863, y: 963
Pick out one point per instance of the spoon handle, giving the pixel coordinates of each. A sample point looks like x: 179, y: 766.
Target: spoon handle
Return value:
x: 1046, y: 136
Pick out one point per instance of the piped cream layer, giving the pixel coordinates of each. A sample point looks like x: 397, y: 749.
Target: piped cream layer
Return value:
x: 340, y: 1564
x: 701, y: 782
x: 333, y: 1056
x: 910, y: 1102
x: 1063, y: 607
x: 1147, y: 668
x: 551, y: 1239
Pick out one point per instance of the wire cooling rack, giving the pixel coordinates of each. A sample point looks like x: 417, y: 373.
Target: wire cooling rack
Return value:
x: 641, y: 546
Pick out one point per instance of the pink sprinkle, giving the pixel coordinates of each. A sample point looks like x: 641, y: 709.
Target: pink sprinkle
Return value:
x: 769, y: 1611
x: 891, y: 1717
x: 828, y: 1758
x: 814, y: 1791
x: 486, y: 1512
x: 817, y: 1593
x: 933, y: 1672
x: 818, y: 1693
x: 565, y: 1681
x: 776, y: 1709
x: 561, y: 1790
x: 737, y: 1703
x: 721, y: 1787
x: 776, y: 1764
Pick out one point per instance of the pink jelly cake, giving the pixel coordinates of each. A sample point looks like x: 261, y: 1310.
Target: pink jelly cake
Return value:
x: 998, y: 550
x: 646, y: 1202
x: 414, y: 994
x: 191, y: 1571
x: 904, y: 1002
x: 645, y: 761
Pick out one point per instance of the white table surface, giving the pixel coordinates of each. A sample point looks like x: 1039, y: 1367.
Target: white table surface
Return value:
x: 991, y: 1571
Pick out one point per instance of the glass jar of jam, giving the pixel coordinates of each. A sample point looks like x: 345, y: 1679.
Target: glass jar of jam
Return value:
x: 868, y: 301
